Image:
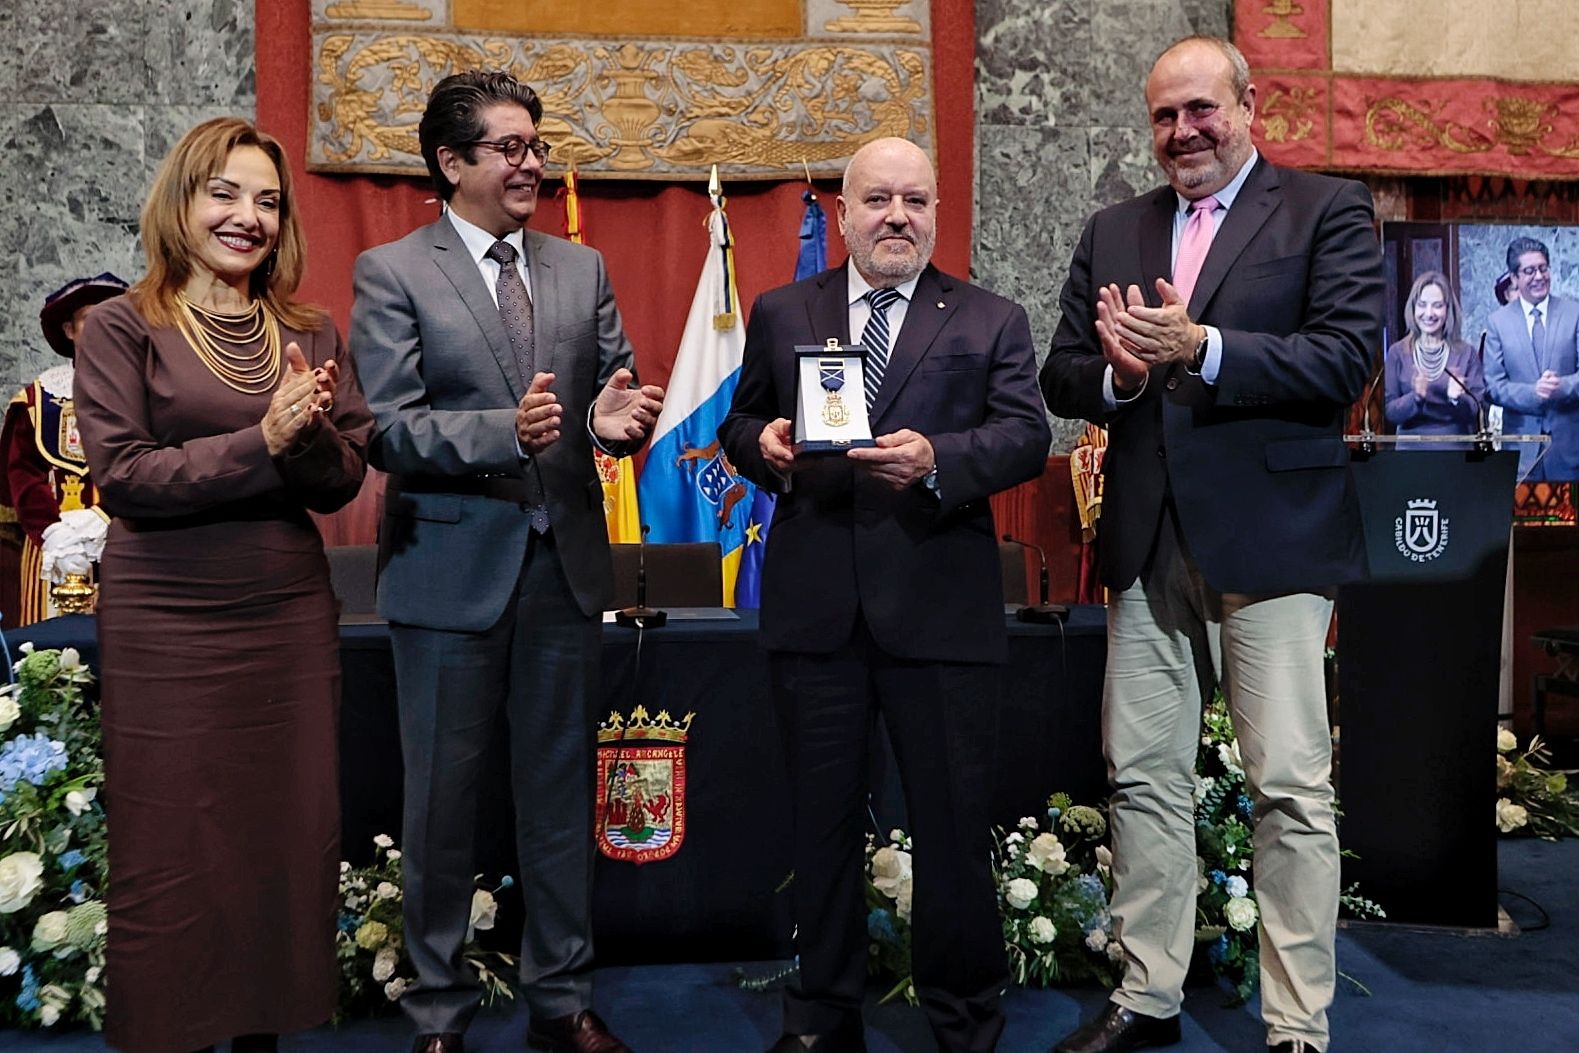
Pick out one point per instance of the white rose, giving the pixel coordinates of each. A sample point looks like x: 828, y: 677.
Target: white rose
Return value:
x: 484, y: 912
x: 1228, y: 753
x: 392, y: 855
x: 1510, y: 816
x: 10, y: 961
x: 904, y: 900
x: 1241, y: 913
x: 384, y: 963
x: 1047, y: 853
x: 345, y: 868
x: 891, y: 870
x: 50, y: 930
x: 1506, y: 740
x: 1042, y: 930
x: 1236, y: 887
x: 70, y: 659
x: 49, y: 1014
x: 1115, y: 951
x: 395, y: 988
x: 1505, y: 771
x: 77, y: 801
x: 1020, y: 893
x: 9, y: 711
x: 384, y: 841
x: 387, y: 890
x: 92, y: 976
x: 21, y: 876
x: 1104, y: 856
x: 1096, y: 940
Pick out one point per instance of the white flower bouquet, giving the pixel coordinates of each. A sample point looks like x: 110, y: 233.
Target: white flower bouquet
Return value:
x: 52, y: 846
x: 375, y: 969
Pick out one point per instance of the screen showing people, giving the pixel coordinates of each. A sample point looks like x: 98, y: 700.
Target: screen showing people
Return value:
x: 1483, y: 329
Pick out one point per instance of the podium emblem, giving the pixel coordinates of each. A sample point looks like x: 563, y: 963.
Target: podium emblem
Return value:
x: 1421, y: 533
x: 641, y: 785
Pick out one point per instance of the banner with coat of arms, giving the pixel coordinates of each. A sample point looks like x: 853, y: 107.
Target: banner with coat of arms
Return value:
x: 641, y: 785
x: 766, y: 89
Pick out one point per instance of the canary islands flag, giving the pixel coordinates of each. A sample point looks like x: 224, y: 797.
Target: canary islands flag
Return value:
x: 689, y: 491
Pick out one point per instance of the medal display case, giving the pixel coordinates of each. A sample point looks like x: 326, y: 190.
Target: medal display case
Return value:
x: 830, y: 398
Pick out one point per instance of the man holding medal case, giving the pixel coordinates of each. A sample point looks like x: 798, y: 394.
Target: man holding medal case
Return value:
x: 882, y: 589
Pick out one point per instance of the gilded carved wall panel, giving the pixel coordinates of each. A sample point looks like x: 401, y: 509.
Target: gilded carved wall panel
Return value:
x: 757, y: 102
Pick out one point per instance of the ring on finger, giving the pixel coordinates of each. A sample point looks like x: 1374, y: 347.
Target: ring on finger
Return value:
x: 296, y: 407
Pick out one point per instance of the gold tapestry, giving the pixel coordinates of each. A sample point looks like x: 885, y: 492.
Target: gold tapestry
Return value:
x: 1527, y: 40
x: 774, y: 86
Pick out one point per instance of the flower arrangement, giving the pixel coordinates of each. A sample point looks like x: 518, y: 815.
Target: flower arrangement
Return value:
x: 1532, y: 797
x: 52, y: 845
x: 375, y: 969
x: 889, y: 884
x: 1054, y: 884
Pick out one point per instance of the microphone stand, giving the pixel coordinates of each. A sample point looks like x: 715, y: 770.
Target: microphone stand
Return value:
x: 1043, y: 613
x: 641, y: 616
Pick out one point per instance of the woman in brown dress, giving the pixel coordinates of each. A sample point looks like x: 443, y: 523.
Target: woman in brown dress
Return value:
x: 216, y: 413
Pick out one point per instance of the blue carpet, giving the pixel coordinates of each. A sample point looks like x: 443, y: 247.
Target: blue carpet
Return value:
x: 1430, y: 993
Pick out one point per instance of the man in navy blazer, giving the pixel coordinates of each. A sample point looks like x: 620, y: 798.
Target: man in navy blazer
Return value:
x: 494, y: 359
x: 1537, y: 387
x: 1228, y: 518
x: 882, y: 592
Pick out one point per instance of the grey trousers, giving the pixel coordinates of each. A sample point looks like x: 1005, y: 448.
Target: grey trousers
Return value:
x: 1168, y: 636
x: 539, y: 664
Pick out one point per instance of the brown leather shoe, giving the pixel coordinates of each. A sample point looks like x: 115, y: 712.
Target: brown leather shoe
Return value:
x: 448, y: 1042
x: 1118, y: 1030
x: 579, y: 1032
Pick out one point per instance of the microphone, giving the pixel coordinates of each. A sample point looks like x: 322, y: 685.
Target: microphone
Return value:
x: 641, y: 616
x: 1366, y: 432
x: 1482, y: 437
x: 1044, y: 613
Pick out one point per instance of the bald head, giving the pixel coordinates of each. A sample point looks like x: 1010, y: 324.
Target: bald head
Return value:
x: 888, y: 211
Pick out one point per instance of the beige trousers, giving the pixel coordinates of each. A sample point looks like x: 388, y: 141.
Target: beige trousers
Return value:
x: 1169, y: 635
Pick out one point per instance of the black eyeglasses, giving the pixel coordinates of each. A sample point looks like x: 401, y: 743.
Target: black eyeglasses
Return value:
x: 514, y: 148
x: 1539, y: 268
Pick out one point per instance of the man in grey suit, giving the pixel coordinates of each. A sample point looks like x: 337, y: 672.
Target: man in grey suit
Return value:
x: 493, y: 359
x: 1531, y: 368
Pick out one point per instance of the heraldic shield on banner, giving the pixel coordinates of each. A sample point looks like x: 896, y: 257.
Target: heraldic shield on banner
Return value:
x: 641, y: 785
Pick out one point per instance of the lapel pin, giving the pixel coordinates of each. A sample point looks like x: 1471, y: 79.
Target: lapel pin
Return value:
x: 940, y: 305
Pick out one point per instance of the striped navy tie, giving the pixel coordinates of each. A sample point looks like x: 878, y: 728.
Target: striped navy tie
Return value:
x: 875, y: 340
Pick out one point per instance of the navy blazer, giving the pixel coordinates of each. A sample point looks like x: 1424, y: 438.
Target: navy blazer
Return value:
x: 921, y: 568
x: 1256, y: 463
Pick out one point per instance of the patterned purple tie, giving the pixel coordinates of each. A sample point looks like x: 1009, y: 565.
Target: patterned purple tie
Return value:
x: 515, y: 310
x: 1193, y: 244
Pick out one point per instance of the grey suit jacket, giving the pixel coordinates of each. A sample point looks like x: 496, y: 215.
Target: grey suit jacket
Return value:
x: 1511, y: 373
x: 442, y: 382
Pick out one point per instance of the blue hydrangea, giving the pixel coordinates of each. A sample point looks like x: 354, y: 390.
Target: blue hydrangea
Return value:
x: 1218, y: 877
x: 347, y: 922
x: 1218, y: 951
x: 880, y: 926
x: 1245, y: 808
x: 1092, y: 886
x: 27, y: 998
x: 29, y: 758
x: 72, y: 860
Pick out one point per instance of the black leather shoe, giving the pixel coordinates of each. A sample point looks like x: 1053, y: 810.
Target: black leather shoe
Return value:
x: 850, y: 1038
x: 1118, y: 1030
x: 1293, y: 1045
x: 581, y: 1032
x: 448, y: 1042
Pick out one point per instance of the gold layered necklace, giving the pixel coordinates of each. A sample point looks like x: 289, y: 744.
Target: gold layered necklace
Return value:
x: 223, y: 343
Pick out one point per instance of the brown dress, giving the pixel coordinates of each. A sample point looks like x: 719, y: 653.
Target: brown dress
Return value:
x: 221, y: 686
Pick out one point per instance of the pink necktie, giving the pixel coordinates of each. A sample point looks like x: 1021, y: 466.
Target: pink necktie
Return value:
x: 1193, y: 244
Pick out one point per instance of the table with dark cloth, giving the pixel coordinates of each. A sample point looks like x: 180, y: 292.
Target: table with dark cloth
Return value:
x: 715, y: 899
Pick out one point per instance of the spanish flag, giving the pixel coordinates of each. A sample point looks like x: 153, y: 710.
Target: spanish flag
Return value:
x: 618, y: 477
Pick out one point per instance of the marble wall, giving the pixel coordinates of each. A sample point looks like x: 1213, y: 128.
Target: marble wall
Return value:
x: 93, y: 92
x: 1061, y: 131
x: 92, y: 95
